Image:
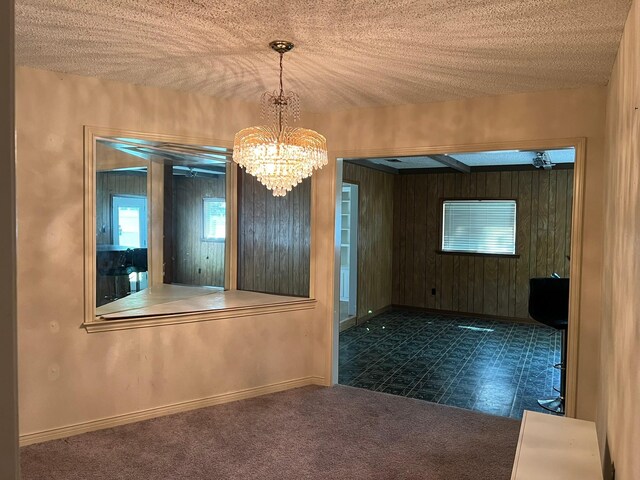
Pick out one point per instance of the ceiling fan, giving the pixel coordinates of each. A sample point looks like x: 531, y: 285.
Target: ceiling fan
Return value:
x: 542, y: 160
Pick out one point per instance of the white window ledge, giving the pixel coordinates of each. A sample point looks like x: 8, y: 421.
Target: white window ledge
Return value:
x: 176, y: 309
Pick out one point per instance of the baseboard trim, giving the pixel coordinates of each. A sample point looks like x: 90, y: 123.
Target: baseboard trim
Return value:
x: 375, y: 313
x: 93, y: 425
x: 348, y: 323
x: 466, y: 314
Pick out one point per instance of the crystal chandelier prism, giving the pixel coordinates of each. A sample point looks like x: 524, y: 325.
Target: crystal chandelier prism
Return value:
x: 278, y: 155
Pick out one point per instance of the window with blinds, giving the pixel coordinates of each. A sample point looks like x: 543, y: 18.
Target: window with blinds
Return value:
x: 479, y: 226
x: 214, y: 218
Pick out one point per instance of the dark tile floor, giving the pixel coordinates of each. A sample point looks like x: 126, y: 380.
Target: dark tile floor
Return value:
x: 491, y: 366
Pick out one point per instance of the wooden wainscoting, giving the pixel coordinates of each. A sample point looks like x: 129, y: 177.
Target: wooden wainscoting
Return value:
x: 197, y: 261
x: 274, y: 238
x: 470, y: 283
x: 107, y: 185
x: 375, y: 237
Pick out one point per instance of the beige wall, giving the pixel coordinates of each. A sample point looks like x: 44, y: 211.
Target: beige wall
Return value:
x: 532, y: 116
x: 618, y: 417
x: 375, y: 237
x: 68, y: 376
x: 9, y: 468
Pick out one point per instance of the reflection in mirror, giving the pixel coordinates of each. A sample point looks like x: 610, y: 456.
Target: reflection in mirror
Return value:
x: 274, y: 238
x: 198, y: 226
x: 160, y: 201
x: 121, y: 223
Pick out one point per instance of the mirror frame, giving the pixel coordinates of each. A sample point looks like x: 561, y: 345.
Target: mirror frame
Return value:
x: 94, y: 134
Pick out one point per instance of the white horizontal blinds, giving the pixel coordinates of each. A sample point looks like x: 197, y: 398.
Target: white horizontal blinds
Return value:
x: 214, y: 218
x: 479, y: 226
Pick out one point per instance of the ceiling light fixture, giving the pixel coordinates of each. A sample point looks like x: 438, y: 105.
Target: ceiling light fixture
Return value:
x: 278, y: 155
x: 542, y: 160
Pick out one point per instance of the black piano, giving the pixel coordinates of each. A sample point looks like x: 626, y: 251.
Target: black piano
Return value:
x: 113, y: 264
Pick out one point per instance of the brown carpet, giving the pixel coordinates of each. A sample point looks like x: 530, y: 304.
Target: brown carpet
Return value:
x: 306, y: 433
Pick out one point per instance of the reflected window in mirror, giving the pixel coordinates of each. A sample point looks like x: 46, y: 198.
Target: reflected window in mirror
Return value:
x: 121, y: 222
x: 177, y: 224
x: 191, y: 257
x: 161, y: 219
x: 214, y: 219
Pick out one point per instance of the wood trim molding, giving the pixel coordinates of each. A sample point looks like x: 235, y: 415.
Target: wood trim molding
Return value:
x: 109, y: 422
x: 579, y: 143
x: 9, y: 453
x: 231, y: 254
x: 347, y: 323
x: 92, y: 324
x: 91, y: 135
x: 353, y: 321
x: 209, y: 315
x: 575, y: 262
x: 435, y: 311
x: 313, y: 235
x: 375, y: 313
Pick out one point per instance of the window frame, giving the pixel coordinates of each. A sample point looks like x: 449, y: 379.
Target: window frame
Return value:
x: 143, y: 239
x: 239, y: 308
x: 203, y: 237
x: 440, y: 249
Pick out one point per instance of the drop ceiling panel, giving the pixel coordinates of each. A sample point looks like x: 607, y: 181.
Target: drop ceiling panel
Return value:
x: 499, y: 158
x: 348, y: 53
x: 407, y: 162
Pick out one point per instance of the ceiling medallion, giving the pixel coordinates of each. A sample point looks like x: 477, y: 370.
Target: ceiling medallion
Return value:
x: 278, y: 155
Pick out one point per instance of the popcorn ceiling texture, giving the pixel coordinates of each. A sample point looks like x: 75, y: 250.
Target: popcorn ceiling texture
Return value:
x: 349, y: 53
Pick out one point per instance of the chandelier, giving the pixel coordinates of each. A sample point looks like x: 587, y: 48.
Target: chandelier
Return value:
x: 278, y: 155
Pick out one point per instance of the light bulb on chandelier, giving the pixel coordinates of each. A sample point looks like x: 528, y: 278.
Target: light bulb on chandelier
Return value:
x: 278, y: 155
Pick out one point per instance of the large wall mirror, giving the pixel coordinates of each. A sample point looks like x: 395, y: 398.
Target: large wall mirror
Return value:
x: 176, y: 223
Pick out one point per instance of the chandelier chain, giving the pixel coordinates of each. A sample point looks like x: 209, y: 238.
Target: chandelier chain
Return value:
x: 280, y: 156
x: 282, y: 99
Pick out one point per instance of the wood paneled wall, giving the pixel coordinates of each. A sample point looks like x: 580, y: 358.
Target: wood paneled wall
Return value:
x: 196, y: 261
x: 473, y: 283
x: 375, y: 236
x: 274, y: 238
x: 114, y: 183
x: 107, y: 185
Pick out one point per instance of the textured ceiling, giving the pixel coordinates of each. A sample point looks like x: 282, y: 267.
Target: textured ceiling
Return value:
x: 348, y: 52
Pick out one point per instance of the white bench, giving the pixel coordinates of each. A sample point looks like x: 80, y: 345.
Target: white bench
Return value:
x: 556, y: 448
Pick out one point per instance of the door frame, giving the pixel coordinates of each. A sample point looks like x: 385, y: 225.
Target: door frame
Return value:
x: 9, y: 452
x: 577, y: 230
x: 353, y: 253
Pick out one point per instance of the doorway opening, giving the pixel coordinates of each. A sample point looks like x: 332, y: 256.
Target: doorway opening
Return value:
x: 449, y: 316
